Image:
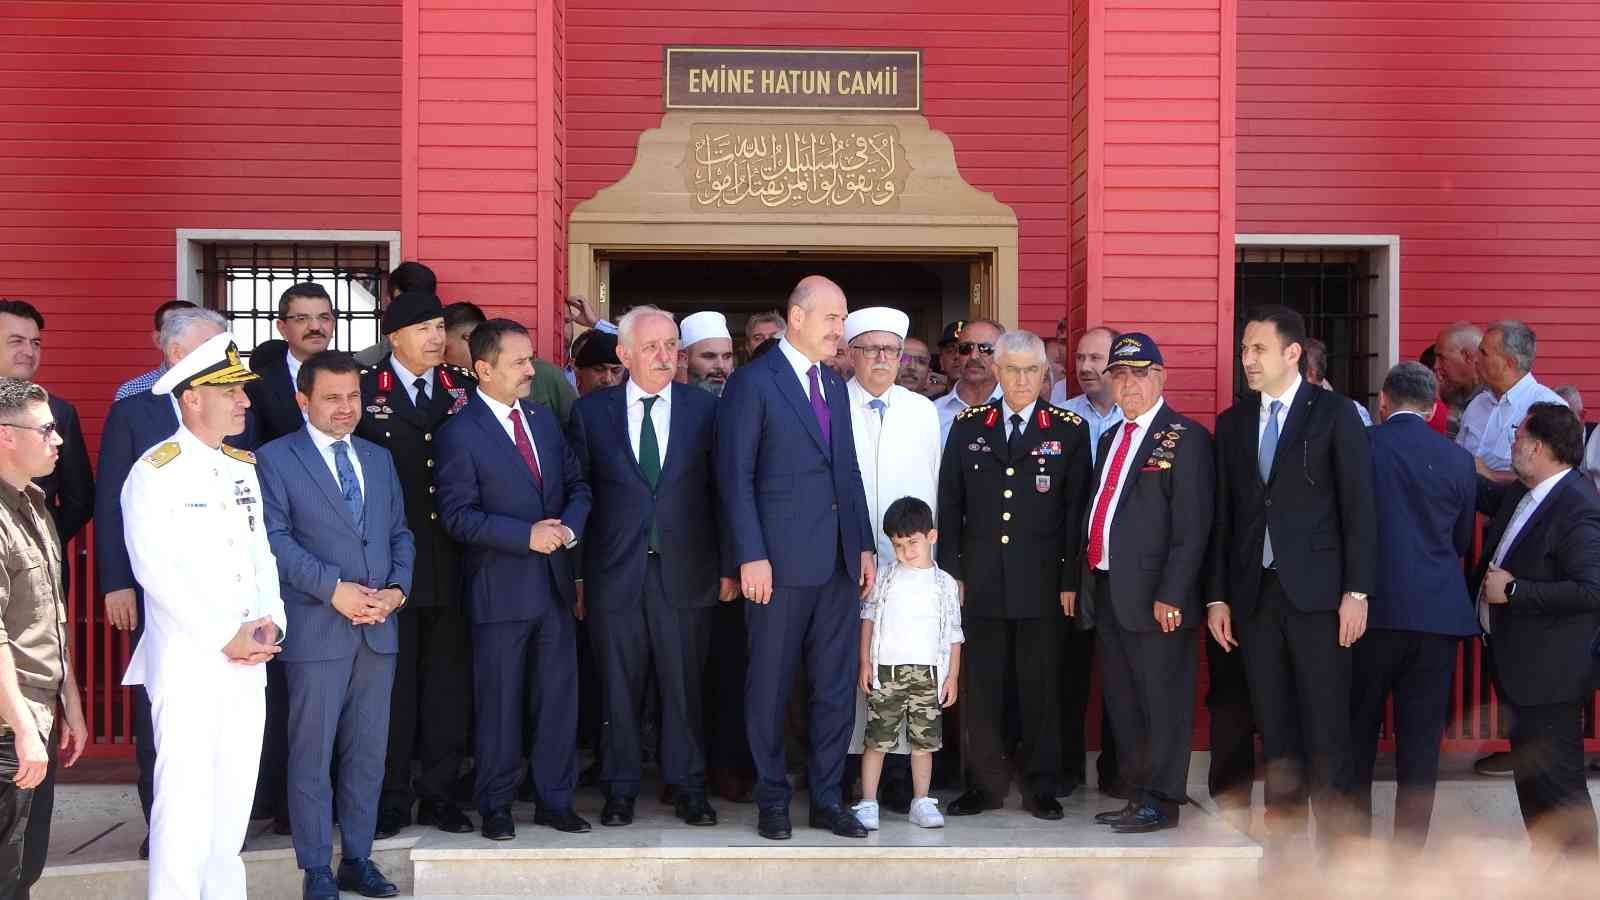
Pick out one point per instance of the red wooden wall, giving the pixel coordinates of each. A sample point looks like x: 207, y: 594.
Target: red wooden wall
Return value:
x: 482, y: 146
x: 1472, y: 130
x: 121, y: 122
x: 1152, y: 183
x: 995, y: 80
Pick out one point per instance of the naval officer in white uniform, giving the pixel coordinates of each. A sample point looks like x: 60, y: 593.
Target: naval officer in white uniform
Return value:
x: 196, y: 539
x: 897, y: 437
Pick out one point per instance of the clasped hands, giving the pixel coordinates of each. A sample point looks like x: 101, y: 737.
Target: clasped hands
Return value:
x: 548, y: 536
x: 254, y: 643
x: 363, y: 605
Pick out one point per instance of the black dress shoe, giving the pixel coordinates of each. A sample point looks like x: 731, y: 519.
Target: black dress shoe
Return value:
x: 838, y: 820
x: 618, y: 811
x: 773, y: 824
x: 1113, y: 816
x: 564, y: 820
x: 971, y: 803
x: 318, y: 884
x: 363, y: 877
x: 446, y: 817
x: 1043, y: 806
x: 499, y: 826
x: 1145, y: 819
x: 693, y: 809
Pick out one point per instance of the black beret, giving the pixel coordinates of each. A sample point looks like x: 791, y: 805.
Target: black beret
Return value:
x: 599, y: 349
x: 411, y: 308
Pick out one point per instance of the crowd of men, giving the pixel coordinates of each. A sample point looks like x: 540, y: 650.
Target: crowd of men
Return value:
x: 348, y: 575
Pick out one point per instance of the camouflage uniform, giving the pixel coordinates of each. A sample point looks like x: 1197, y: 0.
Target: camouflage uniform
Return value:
x: 906, y: 694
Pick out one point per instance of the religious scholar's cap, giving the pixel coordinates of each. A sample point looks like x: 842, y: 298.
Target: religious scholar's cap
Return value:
x: 1136, y: 350
x: 876, y: 318
x: 703, y: 326
x: 214, y: 362
x: 410, y: 308
x: 952, y: 332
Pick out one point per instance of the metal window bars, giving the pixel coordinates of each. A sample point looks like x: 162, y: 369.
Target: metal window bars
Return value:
x: 1332, y: 288
x: 243, y: 281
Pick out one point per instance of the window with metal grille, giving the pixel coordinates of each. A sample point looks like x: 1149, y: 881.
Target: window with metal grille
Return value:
x: 243, y: 281
x: 1332, y: 287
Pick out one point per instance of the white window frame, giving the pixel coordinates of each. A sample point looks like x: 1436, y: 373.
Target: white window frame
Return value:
x: 191, y: 248
x: 1384, y: 252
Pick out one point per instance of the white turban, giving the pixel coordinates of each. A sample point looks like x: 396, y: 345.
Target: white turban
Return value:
x: 703, y: 326
x: 876, y: 318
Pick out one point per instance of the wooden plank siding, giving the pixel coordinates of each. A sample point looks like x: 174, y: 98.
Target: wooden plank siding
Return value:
x: 1152, y: 217
x: 1471, y: 130
x: 995, y: 80
x: 122, y: 122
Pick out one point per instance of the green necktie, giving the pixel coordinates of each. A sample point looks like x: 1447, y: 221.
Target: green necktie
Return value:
x: 649, y: 450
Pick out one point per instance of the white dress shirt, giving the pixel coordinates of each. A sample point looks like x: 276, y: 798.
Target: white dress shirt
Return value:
x: 802, y: 367
x: 502, y: 414
x: 1489, y: 423
x: 1006, y: 412
x: 660, y: 416
x: 1142, y: 429
x: 293, y: 365
x: 407, y: 376
x: 950, y: 405
x: 1287, y: 399
x: 899, y: 453
x: 324, y: 444
x: 1526, y: 507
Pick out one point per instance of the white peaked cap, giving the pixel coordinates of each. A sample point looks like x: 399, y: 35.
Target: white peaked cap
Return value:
x: 703, y: 326
x: 876, y: 318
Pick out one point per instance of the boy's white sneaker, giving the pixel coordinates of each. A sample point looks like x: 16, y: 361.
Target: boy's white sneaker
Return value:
x: 924, y: 813
x: 867, y: 814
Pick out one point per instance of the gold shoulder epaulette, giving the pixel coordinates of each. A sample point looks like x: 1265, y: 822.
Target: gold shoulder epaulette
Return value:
x: 971, y: 411
x: 1066, y: 415
x: 458, y: 370
x: 163, y: 454
x: 244, y: 456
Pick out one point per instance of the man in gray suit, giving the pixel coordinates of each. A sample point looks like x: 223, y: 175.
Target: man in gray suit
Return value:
x: 336, y: 520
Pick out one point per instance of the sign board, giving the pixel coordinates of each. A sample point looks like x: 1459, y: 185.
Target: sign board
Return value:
x: 757, y: 78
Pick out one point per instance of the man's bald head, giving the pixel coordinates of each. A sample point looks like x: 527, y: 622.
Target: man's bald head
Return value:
x: 816, y: 317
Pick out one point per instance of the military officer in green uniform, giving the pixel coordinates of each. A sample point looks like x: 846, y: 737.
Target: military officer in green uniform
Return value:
x: 406, y: 397
x: 1012, y: 487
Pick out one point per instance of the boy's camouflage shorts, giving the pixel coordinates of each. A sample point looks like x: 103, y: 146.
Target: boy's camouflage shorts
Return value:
x: 910, y: 695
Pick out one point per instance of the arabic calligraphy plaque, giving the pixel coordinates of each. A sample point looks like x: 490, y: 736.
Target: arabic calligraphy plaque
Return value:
x: 810, y: 167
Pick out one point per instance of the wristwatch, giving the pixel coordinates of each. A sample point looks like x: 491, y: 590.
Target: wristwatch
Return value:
x: 1511, y: 589
x: 1358, y: 595
x: 395, y: 585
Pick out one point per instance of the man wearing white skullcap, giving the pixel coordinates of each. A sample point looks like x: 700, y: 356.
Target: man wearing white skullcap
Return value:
x: 897, y: 440
x: 707, y: 350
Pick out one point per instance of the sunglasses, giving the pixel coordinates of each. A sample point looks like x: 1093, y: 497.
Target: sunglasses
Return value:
x: 965, y: 348
x: 43, y: 431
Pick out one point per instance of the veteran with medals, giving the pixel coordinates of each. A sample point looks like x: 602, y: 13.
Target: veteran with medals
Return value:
x: 1012, y: 486
x: 1146, y: 533
x: 198, y: 545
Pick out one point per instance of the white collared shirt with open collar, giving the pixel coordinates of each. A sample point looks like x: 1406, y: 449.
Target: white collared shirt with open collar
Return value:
x: 1128, y: 464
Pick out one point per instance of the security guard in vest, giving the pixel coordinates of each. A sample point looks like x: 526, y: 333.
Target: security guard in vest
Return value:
x: 406, y: 397
x: 1012, y: 487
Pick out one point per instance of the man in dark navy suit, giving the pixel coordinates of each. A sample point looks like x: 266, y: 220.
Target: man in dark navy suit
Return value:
x: 1294, y: 546
x: 336, y: 519
x: 1426, y: 489
x: 135, y: 424
x: 796, y: 515
x: 1538, y: 590
x: 651, y: 561
x: 512, y: 493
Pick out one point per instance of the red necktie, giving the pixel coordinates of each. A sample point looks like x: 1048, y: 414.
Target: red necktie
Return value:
x: 1102, y: 506
x: 525, y: 447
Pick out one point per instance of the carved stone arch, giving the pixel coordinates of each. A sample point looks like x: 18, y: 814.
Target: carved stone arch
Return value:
x: 852, y: 184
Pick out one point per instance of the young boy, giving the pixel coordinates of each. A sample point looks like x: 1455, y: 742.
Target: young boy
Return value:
x: 910, y: 655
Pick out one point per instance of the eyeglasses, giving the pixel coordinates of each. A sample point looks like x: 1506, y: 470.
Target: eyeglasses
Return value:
x: 908, y: 359
x: 1128, y: 372
x: 307, y: 319
x: 876, y: 350
x: 43, y: 431
x: 965, y: 348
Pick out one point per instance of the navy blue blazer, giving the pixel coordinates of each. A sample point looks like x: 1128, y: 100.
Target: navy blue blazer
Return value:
x: 1426, y: 488
x: 133, y: 426
x: 319, y: 544
x: 488, y: 502
x: 786, y: 496
x: 682, y: 504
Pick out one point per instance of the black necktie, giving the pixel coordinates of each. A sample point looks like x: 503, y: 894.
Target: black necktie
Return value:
x: 421, y: 384
x: 1014, y: 443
